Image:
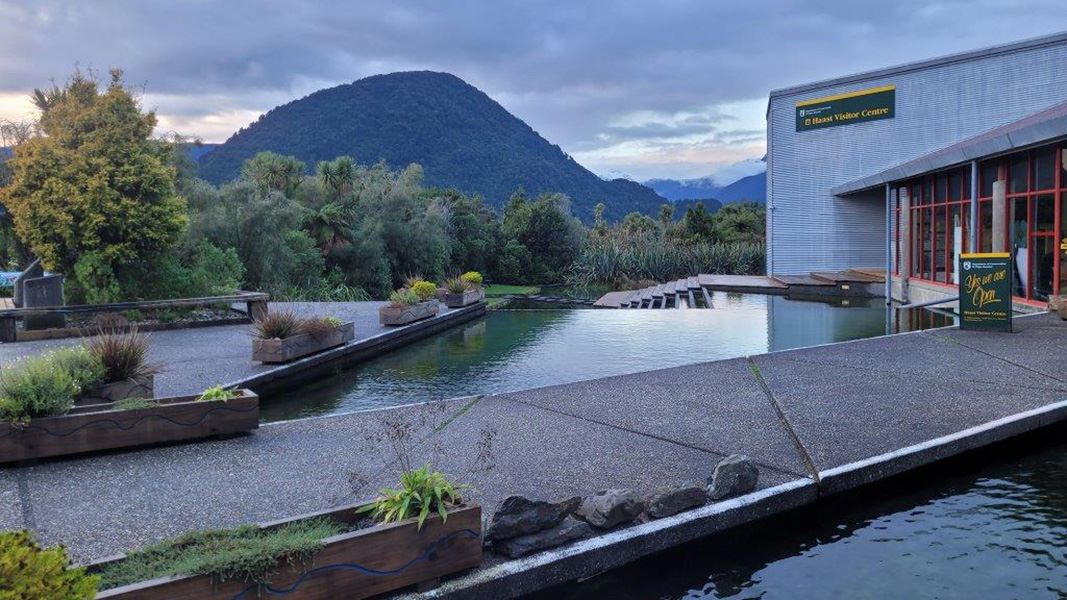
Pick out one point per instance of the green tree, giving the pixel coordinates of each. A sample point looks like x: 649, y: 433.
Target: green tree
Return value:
x: 636, y: 222
x: 697, y: 225
x: 541, y: 237
x: 740, y: 222
x: 269, y: 172
x: 666, y: 216
x: 95, y: 187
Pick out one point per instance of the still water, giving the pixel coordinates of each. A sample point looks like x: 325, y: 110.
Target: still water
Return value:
x: 510, y: 350
x: 992, y: 526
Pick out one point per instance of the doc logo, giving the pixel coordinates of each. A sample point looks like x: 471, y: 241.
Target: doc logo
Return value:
x: 966, y: 265
x: 802, y: 112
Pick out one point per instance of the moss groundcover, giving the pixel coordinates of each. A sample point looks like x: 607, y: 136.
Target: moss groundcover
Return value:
x: 245, y: 553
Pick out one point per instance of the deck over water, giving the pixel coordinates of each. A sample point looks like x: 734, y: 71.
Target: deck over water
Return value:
x: 690, y: 292
x: 825, y: 417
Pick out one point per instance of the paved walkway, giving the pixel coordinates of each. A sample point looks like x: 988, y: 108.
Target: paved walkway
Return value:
x: 198, y: 358
x: 800, y: 414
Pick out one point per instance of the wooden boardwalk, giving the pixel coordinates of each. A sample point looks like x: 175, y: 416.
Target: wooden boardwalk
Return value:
x: 692, y: 292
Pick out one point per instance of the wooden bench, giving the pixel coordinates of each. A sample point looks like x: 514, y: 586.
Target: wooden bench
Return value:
x: 255, y: 302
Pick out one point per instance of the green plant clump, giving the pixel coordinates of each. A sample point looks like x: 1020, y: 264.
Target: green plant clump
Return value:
x: 216, y: 393
x: 422, y: 491
x: 245, y: 553
x: 456, y: 285
x: 425, y: 290
x: 134, y: 404
x: 404, y: 297
x: 472, y: 277
x: 46, y: 385
x: 123, y: 356
x: 30, y: 572
x: 278, y: 324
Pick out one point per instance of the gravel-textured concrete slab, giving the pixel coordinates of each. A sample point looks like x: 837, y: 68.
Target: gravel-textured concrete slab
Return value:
x: 544, y: 454
x: 197, y: 358
x: 10, y: 504
x: 927, y: 355
x: 1036, y: 344
x: 845, y: 414
x: 718, y: 406
x: 110, y: 503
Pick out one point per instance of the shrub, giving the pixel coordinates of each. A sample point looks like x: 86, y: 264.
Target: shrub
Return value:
x: 278, y: 324
x: 46, y: 385
x: 404, y: 297
x: 472, y: 277
x: 411, y: 280
x: 319, y: 327
x: 457, y: 285
x: 215, y: 393
x: 84, y: 367
x: 31, y: 572
x: 244, y: 553
x: 425, y: 290
x: 422, y: 491
x: 123, y: 356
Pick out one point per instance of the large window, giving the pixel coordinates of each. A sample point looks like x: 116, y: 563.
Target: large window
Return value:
x: 940, y: 216
x: 1034, y: 224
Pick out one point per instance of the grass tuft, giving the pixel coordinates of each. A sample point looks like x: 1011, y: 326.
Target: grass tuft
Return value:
x: 123, y: 355
x: 245, y: 553
x: 278, y: 324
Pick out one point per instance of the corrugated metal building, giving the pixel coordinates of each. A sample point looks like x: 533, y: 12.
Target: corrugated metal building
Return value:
x: 835, y: 148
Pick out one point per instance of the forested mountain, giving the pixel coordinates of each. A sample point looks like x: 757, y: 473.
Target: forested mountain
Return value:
x: 460, y: 136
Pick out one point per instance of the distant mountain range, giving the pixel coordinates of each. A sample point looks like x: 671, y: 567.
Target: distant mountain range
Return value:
x: 460, y: 136
x: 752, y: 188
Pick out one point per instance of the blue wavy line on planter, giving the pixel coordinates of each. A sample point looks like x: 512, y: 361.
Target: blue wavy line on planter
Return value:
x: 354, y: 567
x: 15, y: 430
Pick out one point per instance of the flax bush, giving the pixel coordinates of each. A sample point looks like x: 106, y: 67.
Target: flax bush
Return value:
x: 617, y: 259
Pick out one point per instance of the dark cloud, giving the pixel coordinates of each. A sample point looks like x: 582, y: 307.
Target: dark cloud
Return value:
x: 573, y: 70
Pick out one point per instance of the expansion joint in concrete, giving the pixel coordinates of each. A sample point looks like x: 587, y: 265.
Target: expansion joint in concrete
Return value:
x: 28, y: 522
x: 804, y: 455
x: 994, y: 356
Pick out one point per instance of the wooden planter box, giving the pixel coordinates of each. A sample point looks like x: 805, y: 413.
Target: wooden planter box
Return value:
x: 94, y: 427
x: 357, y: 564
x: 402, y: 315
x: 465, y: 299
x: 141, y: 387
x: 292, y: 348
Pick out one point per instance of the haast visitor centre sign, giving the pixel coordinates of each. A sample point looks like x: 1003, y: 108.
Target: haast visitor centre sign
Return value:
x: 845, y: 109
x: 985, y: 291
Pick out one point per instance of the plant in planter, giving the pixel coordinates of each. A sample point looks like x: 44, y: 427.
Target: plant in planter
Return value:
x: 127, y: 373
x: 45, y: 385
x: 47, y: 424
x: 29, y: 571
x: 281, y: 336
x: 464, y: 290
x: 422, y: 491
x: 408, y: 305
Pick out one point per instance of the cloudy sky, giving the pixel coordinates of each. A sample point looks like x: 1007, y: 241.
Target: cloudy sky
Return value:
x: 651, y: 89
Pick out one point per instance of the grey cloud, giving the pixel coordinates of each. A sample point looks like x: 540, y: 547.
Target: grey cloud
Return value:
x: 569, y: 69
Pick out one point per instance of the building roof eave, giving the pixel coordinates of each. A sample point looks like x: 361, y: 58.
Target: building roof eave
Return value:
x: 1041, y: 127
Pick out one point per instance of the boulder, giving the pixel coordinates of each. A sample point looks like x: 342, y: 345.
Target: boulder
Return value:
x: 608, y: 508
x: 520, y: 516
x: 733, y: 476
x: 671, y: 502
x: 569, y: 529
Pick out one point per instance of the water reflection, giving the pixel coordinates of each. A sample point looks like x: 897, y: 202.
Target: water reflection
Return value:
x: 976, y: 530
x: 520, y: 349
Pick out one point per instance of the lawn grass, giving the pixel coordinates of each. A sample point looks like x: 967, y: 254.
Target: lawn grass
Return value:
x: 495, y: 293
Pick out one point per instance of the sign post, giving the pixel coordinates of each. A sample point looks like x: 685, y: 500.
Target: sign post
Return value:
x: 985, y: 291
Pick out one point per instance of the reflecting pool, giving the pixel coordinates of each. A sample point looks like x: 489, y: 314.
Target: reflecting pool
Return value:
x: 510, y: 350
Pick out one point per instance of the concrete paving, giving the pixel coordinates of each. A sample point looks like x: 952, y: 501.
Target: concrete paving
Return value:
x: 798, y: 413
x: 197, y: 358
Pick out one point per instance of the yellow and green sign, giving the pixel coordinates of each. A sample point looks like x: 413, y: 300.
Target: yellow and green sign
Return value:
x: 845, y: 109
x: 985, y: 291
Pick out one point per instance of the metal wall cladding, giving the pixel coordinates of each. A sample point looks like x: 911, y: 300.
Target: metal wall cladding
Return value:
x: 937, y: 105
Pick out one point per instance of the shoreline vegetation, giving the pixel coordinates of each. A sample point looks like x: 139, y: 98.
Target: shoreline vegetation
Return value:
x: 342, y: 231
